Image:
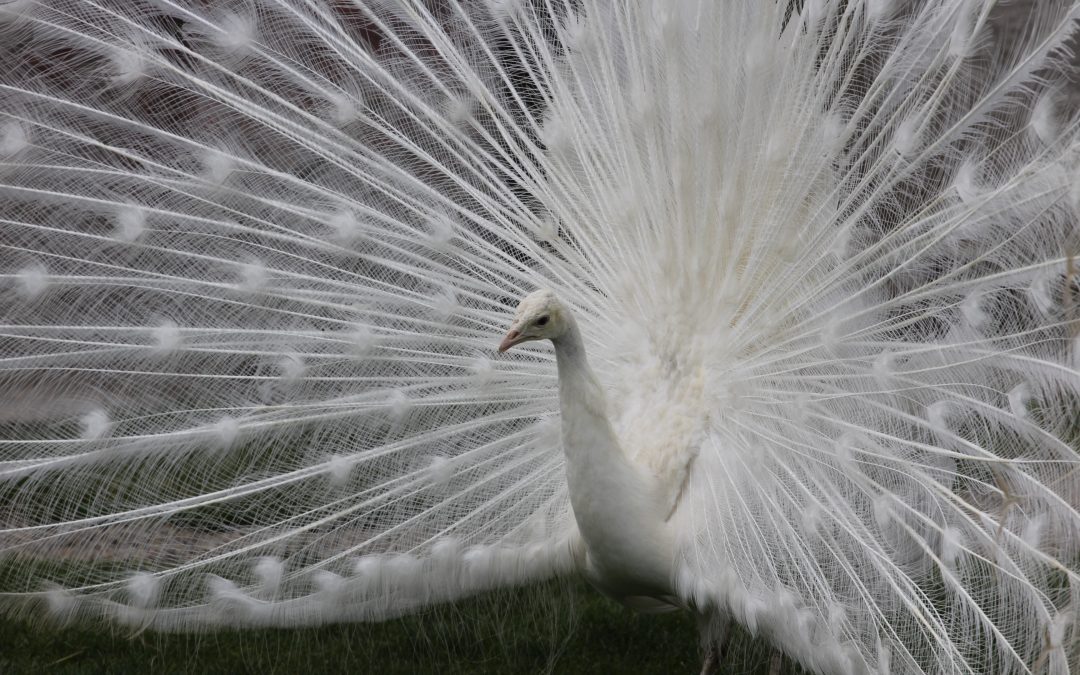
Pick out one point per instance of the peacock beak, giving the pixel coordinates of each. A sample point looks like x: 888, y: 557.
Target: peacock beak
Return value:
x: 511, y: 339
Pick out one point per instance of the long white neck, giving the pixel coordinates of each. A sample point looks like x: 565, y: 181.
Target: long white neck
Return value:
x: 581, y: 400
x: 615, y: 503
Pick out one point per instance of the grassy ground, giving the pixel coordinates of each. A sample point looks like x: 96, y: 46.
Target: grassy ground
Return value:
x: 556, y: 628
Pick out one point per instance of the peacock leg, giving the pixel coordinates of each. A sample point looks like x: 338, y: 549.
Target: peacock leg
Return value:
x: 711, y: 666
x: 776, y: 662
x: 714, y: 635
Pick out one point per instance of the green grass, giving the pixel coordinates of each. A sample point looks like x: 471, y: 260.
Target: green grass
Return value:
x: 560, y: 628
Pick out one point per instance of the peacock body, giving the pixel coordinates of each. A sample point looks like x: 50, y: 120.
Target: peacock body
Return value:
x: 256, y: 257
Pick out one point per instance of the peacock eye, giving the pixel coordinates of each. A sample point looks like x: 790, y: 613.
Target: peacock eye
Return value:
x: 542, y: 321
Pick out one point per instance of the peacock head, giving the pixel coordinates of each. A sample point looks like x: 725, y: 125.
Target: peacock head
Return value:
x: 539, y: 316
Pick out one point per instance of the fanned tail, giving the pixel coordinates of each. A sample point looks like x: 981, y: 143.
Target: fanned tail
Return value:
x: 256, y: 258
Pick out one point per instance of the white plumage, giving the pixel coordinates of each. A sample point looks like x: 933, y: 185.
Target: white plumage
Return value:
x: 256, y: 256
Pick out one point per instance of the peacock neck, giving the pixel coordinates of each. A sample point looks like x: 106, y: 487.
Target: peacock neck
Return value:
x: 614, y: 501
x: 581, y: 399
